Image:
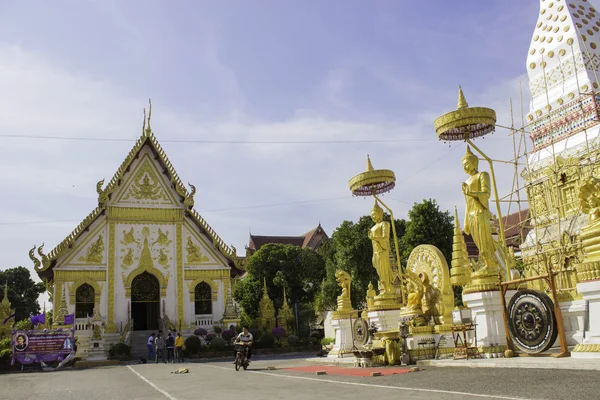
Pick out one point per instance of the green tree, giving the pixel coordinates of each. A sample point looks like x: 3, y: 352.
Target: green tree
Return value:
x: 351, y: 250
x: 299, y: 270
x: 427, y: 224
x: 23, y: 292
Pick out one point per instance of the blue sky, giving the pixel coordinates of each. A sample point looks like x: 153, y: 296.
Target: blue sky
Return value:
x: 247, y: 71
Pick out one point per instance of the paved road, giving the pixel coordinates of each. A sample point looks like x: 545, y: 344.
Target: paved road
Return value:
x: 219, y: 380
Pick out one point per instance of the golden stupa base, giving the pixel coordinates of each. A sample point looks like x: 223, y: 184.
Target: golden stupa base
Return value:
x: 345, y: 314
x: 483, y: 280
x: 387, y: 335
x: 589, y: 270
x: 385, y: 301
x: 460, y: 276
x: 344, y: 303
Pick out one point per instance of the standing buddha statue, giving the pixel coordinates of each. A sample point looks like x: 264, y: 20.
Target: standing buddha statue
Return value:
x: 380, y: 238
x: 477, y: 214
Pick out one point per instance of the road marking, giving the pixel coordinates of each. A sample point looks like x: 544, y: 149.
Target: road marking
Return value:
x: 487, y: 396
x: 167, y: 395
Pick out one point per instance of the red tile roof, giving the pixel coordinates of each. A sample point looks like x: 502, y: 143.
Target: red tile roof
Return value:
x: 311, y: 239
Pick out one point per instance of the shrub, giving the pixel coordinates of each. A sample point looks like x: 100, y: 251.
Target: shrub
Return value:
x: 293, y: 340
x: 200, y: 332
x: 228, y: 334
x: 278, y: 332
x: 266, y: 340
x: 217, y: 329
x: 23, y: 325
x: 193, y: 345
x: 210, y: 337
x: 218, y: 343
x: 119, y: 350
x: 317, y: 335
x: 327, y: 341
x: 313, y: 340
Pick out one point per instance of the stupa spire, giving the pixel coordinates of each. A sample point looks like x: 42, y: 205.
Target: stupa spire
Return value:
x: 461, y: 266
x: 462, y: 102
x: 562, y: 65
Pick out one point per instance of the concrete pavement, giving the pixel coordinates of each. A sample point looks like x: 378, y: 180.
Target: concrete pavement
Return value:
x: 219, y: 380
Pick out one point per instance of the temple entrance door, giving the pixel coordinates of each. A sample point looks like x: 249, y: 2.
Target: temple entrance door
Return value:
x: 145, y: 302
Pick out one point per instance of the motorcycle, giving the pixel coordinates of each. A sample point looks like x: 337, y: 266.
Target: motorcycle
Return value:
x: 241, y: 357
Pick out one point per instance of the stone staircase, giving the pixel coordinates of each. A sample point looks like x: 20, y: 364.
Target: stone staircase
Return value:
x: 138, y: 344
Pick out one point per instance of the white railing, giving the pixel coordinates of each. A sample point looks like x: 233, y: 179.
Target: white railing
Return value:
x: 81, y: 324
x: 205, y: 321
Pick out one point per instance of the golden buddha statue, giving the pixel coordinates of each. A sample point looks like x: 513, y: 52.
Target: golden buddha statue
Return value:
x: 380, y: 238
x: 477, y: 214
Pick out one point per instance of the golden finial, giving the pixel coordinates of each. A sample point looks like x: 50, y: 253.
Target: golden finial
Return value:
x: 144, y: 123
x: 148, y: 130
x: 462, y: 102
x: 369, y: 165
x: 456, y: 224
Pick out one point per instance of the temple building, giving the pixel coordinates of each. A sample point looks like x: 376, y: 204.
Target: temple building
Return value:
x: 143, y: 259
x: 312, y: 239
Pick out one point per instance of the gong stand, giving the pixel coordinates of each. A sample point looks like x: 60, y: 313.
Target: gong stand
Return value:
x: 549, y: 278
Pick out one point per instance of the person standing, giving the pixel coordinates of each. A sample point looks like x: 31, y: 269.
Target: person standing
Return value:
x: 170, y: 348
x: 159, y: 343
x: 150, y: 345
x: 179, y: 343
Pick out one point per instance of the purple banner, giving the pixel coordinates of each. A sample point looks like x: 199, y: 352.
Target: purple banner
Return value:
x: 44, y: 345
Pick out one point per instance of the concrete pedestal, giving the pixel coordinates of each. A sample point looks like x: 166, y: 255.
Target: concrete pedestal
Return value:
x: 590, y: 348
x: 486, y: 308
x: 96, y: 351
x: 384, y: 320
x: 574, y: 318
x: 343, y: 337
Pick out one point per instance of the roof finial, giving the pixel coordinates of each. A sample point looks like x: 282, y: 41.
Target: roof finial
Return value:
x: 144, y: 123
x: 462, y: 102
x: 148, y: 129
x: 369, y: 165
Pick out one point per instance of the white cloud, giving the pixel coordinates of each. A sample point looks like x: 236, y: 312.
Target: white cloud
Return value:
x: 51, y: 180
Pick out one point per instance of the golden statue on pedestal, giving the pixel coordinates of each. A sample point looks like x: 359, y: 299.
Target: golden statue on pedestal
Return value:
x: 344, y: 279
x: 477, y: 214
x: 589, y: 200
x: 478, y: 217
x: 380, y: 238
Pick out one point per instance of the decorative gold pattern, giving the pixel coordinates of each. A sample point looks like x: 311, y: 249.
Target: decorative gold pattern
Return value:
x: 144, y: 215
x: 146, y: 264
x: 179, y: 268
x: 90, y: 281
x: 194, y: 254
x: 94, y: 253
x: 213, y: 285
x: 145, y: 185
x: 111, y: 327
x: 586, y: 348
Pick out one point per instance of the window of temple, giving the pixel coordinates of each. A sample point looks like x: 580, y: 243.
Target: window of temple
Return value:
x: 84, y: 301
x: 203, y: 299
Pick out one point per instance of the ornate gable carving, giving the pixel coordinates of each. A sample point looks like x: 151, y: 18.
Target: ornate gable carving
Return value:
x: 146, y: 186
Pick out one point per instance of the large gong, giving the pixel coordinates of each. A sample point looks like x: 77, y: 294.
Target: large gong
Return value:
x: 531, y: 321
x: 361, y: 331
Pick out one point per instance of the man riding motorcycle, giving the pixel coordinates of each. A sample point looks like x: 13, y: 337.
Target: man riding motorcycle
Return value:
x: 245, y: 339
